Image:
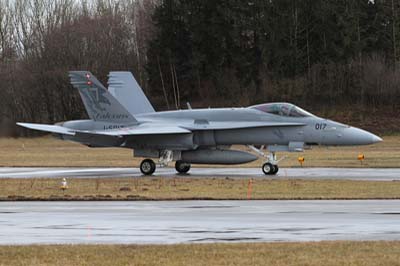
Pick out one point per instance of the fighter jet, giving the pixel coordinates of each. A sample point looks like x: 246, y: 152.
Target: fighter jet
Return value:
x: 123, y: 117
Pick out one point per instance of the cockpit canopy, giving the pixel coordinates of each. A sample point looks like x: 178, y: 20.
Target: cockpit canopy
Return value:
x: 282, y: 109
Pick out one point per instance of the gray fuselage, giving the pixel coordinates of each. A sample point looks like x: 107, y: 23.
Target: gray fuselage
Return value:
x: 311, y: 130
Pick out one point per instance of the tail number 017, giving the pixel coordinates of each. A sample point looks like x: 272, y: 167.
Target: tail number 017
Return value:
x: 320, y: 126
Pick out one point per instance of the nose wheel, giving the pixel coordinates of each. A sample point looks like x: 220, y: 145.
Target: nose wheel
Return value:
x: 270, y: 169
x: 147, y: 167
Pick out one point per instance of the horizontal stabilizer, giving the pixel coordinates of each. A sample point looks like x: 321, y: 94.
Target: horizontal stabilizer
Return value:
x: 48, y: 128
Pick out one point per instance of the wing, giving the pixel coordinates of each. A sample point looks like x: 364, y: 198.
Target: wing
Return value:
x: 205, y: 125
x: 128, y: 131
x: 143, y: 130
x: 158, y: 129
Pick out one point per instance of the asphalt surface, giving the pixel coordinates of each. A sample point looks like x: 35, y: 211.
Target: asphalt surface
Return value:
x: 197, y: 221
x: 380, y: 174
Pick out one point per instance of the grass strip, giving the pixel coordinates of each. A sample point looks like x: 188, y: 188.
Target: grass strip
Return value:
x: 307, y: 253
x: 158, y: 188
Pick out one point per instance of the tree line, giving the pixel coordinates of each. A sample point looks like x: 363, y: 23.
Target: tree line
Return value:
x: 317, y: 54
x: 311, y: 52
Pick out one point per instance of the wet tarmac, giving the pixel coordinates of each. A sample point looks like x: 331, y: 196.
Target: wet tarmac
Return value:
x: 381, y: 174
x: 198, y: 221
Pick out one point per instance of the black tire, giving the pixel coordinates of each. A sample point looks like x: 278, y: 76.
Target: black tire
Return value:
x: 147, y: 167
x: 182, y: 167
x: 276, y: 169
x: 268, y: 168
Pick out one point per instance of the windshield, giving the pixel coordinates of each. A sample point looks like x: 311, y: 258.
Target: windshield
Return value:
x: 282, y: 109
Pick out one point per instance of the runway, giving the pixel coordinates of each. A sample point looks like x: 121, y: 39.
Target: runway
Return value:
x: 197, y: 221
x: 381, y: 174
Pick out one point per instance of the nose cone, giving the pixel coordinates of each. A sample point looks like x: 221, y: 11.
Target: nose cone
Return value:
x: 356, y: 136
x: 376, y: 139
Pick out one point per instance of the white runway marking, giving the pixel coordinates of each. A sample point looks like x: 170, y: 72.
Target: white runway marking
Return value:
x: 380, y: 174
x: 197, y: 221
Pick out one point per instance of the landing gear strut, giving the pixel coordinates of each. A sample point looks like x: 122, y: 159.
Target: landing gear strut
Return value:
x: 182, y: 167
x: 147, y: 167
x: 270, y: 167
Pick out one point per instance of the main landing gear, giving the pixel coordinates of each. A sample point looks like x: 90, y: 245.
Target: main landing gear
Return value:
x: 182, y: 167
x: 148, y: 166
x: 270, y: 167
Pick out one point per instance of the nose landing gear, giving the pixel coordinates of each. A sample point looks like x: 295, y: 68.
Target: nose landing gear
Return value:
x: 270, y: 167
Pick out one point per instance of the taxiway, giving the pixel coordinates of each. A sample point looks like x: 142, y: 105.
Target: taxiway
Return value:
x: 372, y: 174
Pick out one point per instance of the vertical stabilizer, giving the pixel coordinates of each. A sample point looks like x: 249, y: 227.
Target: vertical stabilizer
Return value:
x: 99, y: 103
x: 123, y: 86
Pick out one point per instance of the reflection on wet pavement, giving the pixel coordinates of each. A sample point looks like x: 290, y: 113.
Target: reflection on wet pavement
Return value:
x: 197, y: 221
